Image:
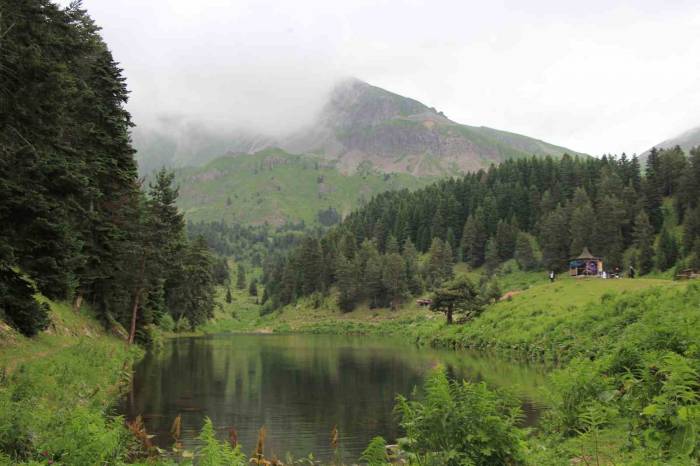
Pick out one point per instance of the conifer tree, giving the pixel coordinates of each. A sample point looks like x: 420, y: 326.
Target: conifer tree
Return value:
x: 652, y: 190
x: 492, y: 258
x: 554, y: 238
x: 644, y: 242
x: 240, y: 277
x: 524, y: 254
x: 410, y: 257
x: 347, y: 282
x: 457, y: 296
x: 394, y: 279
x: 581, y: 223
x: 253, y: 288
x: 691, y: 229
x: 666, y: 250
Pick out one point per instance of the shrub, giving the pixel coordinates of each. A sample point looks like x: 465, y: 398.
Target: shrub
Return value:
x: 375, y: 453
x: 166, y: 322
x: 215, y: 453
x: 460, y: 423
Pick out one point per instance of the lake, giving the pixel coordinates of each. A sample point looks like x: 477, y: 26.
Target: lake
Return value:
x: 299, y: 387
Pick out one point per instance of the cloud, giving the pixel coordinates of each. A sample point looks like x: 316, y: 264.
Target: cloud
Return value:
x: 598, y: 76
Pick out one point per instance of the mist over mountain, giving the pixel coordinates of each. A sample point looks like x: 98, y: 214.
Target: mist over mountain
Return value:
x: 686, y: 140
x: 360, y: 124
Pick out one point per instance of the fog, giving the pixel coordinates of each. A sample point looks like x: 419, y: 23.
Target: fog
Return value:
x: 597, y: 76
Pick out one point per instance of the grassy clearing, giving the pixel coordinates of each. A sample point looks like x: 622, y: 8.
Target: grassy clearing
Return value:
x: 56, y: 391
x: 528, y: 322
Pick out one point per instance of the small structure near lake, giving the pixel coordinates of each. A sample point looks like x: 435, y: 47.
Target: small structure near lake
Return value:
x: 585, y: 265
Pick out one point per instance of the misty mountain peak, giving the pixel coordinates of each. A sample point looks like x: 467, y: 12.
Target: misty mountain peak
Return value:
x: 362, y: 125
x: 355, y: 103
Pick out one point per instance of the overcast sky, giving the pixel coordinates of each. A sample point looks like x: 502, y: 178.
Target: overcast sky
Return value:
x: 597, y: 76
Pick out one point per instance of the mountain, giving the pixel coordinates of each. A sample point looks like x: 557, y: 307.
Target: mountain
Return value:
x: 686, y: 141
x: 359, y: 125
x: 363, y: 123
x: 276, y: 187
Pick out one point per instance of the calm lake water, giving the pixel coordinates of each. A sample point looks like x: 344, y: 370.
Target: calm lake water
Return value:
x: 298, y: 387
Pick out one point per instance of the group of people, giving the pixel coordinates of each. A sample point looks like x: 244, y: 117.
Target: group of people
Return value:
x: 604, y: 274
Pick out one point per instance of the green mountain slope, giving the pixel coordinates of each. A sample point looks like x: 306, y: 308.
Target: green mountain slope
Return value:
x: 274, y: 186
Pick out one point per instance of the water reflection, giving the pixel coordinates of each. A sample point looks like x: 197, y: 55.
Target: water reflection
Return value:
x: 298, y: 387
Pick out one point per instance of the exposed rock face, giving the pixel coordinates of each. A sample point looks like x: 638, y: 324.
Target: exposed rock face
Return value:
x: 362, y: 124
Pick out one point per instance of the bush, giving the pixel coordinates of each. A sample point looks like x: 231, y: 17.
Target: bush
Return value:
x: 183, y: 324
x: 460, y: 423
x: 166, y: 322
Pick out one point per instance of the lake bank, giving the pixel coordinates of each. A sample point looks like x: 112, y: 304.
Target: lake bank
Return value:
x: 608, y: 338
x: 58, y: 389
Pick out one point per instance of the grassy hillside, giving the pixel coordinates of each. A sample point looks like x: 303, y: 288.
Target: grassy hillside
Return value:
x: 275, y: 187
x: 55, y: 400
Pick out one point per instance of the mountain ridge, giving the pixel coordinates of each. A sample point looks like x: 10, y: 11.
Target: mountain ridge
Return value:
x: 360, y: 124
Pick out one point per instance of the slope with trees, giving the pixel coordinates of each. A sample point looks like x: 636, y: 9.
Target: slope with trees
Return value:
x: 540, y: 212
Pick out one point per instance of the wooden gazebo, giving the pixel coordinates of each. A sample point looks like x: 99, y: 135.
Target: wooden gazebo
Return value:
x: 585, y: 265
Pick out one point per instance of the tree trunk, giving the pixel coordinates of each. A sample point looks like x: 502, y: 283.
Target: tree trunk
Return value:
x: 78, y: 302
x: 134, y: 315
x: 449, y: 316
x: 137, y: 299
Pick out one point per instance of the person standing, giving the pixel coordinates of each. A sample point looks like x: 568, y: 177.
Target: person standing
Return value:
x: 551, y: 276
x: 632, y: 272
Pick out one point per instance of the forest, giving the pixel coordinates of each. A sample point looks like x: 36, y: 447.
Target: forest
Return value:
x: 539, y: 211
x: 78, y: 224
x: 97, y: 265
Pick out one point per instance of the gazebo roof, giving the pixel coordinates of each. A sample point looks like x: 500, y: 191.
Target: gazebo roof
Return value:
x: 586, y: 254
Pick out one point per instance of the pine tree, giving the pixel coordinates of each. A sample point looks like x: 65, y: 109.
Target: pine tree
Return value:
x: 492, y: 258
x: 506, y: 235
x: 311, y: 262
x: 392, y: 245
x: 581, y: 223
x: 439, y: 266
x: 644, y: 242
x: 666, y: 250
x: 652, y: 190
x: 607, y: 234
x: 524, y: 251
x: 473, y: 241
x: 394, y: 279
x: 691, y: 229
x: 457, y: 296
x: 253, y: 288
x: 410, y: 257
x: 240, y: 277
x: 347, y: 282
x: 554, y: 238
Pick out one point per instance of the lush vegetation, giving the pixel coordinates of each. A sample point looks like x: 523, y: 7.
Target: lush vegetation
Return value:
x: 55, y: 401
x: 540, y: 212
x: 276, y: 187
x: 77, y: 224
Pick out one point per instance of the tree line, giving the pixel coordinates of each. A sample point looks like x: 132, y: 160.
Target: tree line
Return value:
x: 539, y: 211
x: 77, y: 223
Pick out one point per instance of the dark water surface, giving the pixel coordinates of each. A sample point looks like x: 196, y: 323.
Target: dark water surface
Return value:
x: 298, y: 387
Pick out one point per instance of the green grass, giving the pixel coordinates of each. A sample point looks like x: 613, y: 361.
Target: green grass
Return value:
x: 56, y: 394
x: 524, y: 323
x: 274, y: 186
